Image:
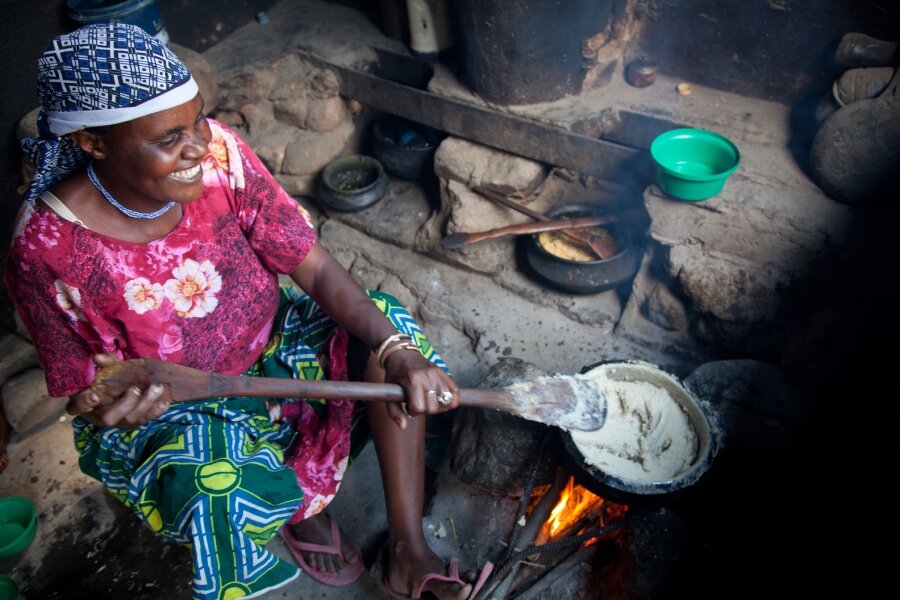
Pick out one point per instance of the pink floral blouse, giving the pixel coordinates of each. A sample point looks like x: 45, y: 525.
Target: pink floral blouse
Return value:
x: 202, y: 296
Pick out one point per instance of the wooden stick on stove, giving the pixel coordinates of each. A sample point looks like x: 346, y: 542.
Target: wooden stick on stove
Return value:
x: 599, y: 246
x: 499, y: 588
x: 458, y: 240
x: 557, y: 572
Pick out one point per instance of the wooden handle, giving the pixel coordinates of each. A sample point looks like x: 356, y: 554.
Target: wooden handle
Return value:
x: 554, y: 401
x: 275, y: 387
x: 552, y: 225
x: 184, y: 384
x: 508, y: 203
x: 600, y: 247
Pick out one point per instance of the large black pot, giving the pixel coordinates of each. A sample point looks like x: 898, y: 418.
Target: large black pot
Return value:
x: 590, y: 277
x: 613, y: 488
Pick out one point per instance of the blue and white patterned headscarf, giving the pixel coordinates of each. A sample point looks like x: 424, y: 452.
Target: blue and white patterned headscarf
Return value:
x: 101, y: 74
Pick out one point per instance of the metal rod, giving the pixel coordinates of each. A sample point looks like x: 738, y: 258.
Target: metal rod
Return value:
x: 518, y: 135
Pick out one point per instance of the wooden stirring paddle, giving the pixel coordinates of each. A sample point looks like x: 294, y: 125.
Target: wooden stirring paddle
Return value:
x: 598, y: 245
x: 565, y: 401
x: 458, y: 240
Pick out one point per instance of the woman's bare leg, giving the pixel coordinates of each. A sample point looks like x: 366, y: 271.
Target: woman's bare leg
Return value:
x: 401, y: 455
x: 317, y: 530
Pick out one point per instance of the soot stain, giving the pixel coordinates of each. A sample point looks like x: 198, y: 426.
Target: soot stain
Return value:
x: 124, y: 563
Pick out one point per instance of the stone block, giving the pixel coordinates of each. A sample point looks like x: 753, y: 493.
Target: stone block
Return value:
x: 665, y: 309
x: 756, y: 411
x: 271, y: 145
x: 753, y: 222
x: 308, y: 97
x: 469, y: 213
x: 249, y: 86
x: 299, y: 185
x: 291, y: 104
x: 202, y: 73
x: 495, y: 451
x: 26, y: 402
x: 294, y: 76
x: 726, y: 287
x: 476, y: 165
x: 324, y: 84
x: 657, y: 322
x: 310, y: 151
x: 16, y: 355
x: 260, y: 120
x: 326, y: 113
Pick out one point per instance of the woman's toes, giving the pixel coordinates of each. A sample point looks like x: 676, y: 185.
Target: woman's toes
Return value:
x: 449, y: 591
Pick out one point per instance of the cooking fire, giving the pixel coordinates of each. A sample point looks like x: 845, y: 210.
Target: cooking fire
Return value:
x: 577, y: 509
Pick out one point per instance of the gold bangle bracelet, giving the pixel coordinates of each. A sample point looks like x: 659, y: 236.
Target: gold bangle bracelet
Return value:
x: 392, y: 349
x: 387, y: 342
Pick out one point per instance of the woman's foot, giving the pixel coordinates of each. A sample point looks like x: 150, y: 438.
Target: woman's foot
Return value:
x: 408, y: 564
x: 317, y: 530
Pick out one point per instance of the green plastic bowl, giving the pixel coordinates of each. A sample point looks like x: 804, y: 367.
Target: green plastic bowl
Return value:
x: 18, y: 524
x: 8, y: 588
x: 693, y: 164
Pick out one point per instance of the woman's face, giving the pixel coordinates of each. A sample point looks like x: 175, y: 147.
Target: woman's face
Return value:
x: 155, y: 159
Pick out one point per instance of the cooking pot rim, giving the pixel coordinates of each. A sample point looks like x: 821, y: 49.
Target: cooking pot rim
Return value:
x: 617, y: 489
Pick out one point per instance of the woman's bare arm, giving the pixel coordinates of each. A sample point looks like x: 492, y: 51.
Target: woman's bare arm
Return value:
x: 338, y: 294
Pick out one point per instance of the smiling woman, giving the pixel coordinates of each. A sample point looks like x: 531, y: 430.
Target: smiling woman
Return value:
x: 151, y: 231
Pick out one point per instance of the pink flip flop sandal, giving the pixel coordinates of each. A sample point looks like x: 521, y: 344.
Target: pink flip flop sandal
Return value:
x: 451, y: 577
x: 345, y: 576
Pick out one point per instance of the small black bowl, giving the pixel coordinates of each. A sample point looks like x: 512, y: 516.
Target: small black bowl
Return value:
x: 406, y: 148
x: 585, y: 277
x: 352, y: 183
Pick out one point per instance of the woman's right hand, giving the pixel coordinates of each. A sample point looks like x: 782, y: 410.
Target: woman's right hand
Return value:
x: 133, y: 408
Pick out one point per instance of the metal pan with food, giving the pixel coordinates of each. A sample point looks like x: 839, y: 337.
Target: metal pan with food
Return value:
x: 657, y: 438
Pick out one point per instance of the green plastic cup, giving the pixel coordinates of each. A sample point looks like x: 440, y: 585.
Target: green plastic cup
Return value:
x: 693, y: 164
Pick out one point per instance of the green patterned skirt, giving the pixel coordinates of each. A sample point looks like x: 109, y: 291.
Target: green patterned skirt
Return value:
x: 222, y: 477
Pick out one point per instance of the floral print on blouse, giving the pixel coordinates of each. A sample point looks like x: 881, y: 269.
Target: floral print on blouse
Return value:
x: 203, y: 296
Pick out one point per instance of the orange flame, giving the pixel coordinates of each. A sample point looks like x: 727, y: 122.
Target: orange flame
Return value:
x: 576, y: 510
x: 574, y: 503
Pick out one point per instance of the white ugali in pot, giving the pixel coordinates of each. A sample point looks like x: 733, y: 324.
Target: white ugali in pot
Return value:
x: 657, y: 439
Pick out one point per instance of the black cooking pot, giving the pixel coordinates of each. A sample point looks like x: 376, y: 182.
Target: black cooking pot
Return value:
x: 352, y: 183
x: 632, y: 493
x: 405, y: 148
x: 585, y: 277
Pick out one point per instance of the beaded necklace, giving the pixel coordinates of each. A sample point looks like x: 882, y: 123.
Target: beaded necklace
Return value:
x: 124, y: 209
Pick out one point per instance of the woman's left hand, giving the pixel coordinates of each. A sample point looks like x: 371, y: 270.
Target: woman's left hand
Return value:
x: 429, y: 390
